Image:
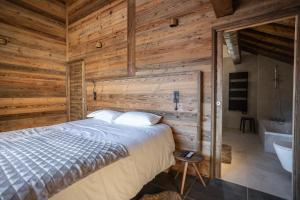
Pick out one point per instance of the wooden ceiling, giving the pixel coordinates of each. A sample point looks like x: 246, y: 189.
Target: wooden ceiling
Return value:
x: 274, y: 40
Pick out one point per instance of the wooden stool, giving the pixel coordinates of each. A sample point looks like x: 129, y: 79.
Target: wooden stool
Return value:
x: 251, y: 123
x: 196, y: 158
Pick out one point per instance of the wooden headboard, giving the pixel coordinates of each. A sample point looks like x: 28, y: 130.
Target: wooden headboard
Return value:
x: 155, y: 94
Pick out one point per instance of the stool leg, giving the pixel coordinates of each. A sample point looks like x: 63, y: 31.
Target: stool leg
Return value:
x: 184, y: 177
x: 199, y: 175
x: 254, y: 128
x: 244, y: 126
x: 250, y: 124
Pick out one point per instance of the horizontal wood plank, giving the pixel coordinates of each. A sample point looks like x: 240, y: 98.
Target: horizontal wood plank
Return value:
x: 32, y: 64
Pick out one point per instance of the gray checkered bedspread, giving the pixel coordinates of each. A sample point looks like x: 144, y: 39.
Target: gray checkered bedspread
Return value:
x: 37, y: 163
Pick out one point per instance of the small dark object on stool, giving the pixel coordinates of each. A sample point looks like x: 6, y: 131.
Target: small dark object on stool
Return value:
x: 251, y: 123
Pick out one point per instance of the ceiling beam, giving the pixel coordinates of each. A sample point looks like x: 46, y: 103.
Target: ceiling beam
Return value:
x: 277, y: 30
x: 265, y: 37
x: 287, y: 22
x: 222, y: 7
x: 266, y: 52
x: 232, y: 42
x: 267, y: 46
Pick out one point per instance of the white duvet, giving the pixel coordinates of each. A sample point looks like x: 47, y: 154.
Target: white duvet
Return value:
x: 150, y: 152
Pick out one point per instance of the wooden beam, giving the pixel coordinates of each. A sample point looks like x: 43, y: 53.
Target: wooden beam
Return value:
x: 232, y: 43
x: 273, y: 39
x: 131, y: 37
x: 266, y: 52
x: 276, y: 29
x: 267, y: 46
x: 222, y: 7
x: 287, y: 22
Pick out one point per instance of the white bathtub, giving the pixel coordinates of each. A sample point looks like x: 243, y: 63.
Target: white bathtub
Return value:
x: 274, y: 131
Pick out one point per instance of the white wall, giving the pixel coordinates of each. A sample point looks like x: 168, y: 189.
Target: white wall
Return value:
x: 263, y: 99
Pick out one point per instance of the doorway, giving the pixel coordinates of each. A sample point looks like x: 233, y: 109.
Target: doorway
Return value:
x: 249, y: 73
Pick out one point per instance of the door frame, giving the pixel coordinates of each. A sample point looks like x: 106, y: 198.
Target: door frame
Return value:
x: 216, y: 98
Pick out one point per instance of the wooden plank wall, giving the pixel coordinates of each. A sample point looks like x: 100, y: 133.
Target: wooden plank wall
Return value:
x: 108, y: 25
x: 155, y: 94
x: 32, y: 63
x: 164, y: 57
x: 158, y: 50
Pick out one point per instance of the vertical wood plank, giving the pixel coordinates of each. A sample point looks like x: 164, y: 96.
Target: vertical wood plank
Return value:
x: 219, y: 103
x: 68, y: 91
x: 131, y: 37
x: 77, y: 90
x: 83, y: 86
x: 213, y: 107
x: 199, y: 113
x: 296, y: 113
x: 216, y: 139
x: 67, y: 32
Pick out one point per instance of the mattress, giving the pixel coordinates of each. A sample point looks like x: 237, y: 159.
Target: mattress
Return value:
x: 150, y: 152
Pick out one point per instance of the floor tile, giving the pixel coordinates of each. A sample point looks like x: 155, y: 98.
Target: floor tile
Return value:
x: 254, y: 168
x: 218, y: 189
x: 148, y: 189
x: 257, y: 195
x: 166, y: 181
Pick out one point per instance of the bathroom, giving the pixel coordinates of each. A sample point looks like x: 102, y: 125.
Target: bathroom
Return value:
x: 257, y: 126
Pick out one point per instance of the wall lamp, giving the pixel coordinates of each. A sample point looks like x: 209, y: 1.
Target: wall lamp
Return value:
x: 94, y: 91
x: 174, y: 22
x: 99, y: 44
x: 176, y: 99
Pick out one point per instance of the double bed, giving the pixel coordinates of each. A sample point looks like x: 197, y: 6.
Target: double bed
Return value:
x: 129, y: 157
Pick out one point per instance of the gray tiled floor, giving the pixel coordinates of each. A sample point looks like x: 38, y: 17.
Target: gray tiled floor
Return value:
x: 254, y: 168
x: 216, y: 189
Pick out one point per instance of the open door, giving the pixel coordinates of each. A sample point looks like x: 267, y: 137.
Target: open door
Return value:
x: 217, y: 99
x: 77, y: 90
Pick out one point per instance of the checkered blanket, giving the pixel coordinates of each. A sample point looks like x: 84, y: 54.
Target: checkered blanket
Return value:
x: 37, y: 163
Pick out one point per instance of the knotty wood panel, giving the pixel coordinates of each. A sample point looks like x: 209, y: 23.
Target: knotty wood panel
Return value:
x: 32, y: 64
x: 160, y: 46
x: 81, y: 8
x: 186, y: 48
x: 77, y: 90
x: 161, y: 50
x: 107, y: 25
x: 19, y: 16
x: 155, y: 94
x: 52, y: 8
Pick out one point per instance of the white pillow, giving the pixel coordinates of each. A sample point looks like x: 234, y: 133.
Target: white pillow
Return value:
x: 105, y: 115
x: 137, y: 119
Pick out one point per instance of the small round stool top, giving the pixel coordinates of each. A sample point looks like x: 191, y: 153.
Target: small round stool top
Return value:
x: 196, y: 158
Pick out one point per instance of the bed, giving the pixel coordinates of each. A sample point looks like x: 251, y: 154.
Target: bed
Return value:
x: 149, y: 152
